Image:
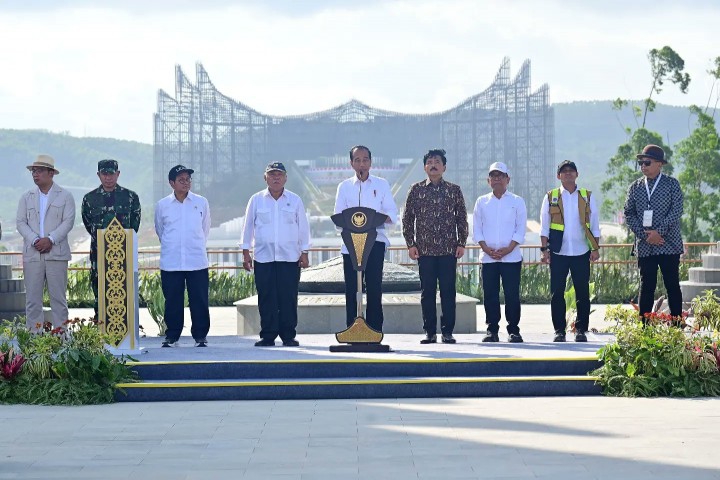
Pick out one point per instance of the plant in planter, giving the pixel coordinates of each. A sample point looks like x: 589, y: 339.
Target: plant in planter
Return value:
x: 68, y: 365
x: 706, y: 310
x: 658, y: 358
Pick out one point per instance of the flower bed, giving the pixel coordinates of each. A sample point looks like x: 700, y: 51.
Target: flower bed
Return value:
x: 664, y: 356
x: 68, y: 365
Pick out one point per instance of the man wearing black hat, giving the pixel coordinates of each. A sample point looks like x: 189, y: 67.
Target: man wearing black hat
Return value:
x: 653, y: 209
x: 569, y: 235
x: 182, y: 223
x: 277, y: 229
x: 101, y: 205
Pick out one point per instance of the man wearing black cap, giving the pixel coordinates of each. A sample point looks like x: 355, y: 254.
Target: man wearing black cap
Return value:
x: 570, y: 235
x: 277, y: 229
x: 182, y: 223
x: 653, y: 209
x: 101, y: 205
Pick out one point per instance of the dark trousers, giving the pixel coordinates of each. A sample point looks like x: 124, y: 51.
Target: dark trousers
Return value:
x: 372, y: 279
x: 173, y: 287
x: 277, y: 287
x: 579, y: 268
x: 670, y: 268
x: 434, y: 270
x: 492, y: 274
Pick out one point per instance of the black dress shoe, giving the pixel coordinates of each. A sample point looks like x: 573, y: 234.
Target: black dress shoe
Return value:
x: 265, y: 343
x: 515, y: 338
x: 559, y: 337
x: 491, y: 337
x: 429, y: 339
x: 580, y: 337
x: 291, y: 343
x: 448, y: 338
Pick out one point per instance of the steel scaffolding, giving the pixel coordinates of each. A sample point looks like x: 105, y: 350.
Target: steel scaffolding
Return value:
x: 229, y: 143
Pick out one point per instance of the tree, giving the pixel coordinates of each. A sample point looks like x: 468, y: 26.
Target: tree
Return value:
x: 699, y: 156
x: 715, y: 73
x: 622, y: 168
x: 665, y: 65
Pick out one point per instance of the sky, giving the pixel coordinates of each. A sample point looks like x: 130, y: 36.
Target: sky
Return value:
x: 94, y: 67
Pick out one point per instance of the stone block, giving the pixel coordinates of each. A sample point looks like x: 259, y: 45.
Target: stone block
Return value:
x: 11, y: 285
x: 325, y: 313
x: 6, y: 271
x: 711, y: 260
x: 704, y: 275
x: 691, y: 289
x: 12, y: 302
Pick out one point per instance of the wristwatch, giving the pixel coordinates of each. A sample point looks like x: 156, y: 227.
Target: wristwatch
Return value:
x: 543, y: 249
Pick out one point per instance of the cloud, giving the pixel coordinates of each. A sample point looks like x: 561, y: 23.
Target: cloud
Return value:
x: 95, y: 67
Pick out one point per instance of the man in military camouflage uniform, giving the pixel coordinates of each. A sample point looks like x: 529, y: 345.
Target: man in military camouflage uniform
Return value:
x: 104, y: 203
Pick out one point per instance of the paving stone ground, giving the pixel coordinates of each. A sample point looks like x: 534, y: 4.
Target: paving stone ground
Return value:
x: 486, y: 438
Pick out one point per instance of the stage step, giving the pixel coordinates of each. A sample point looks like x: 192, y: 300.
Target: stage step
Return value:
x: 327, y: 388
x: 350, y: 378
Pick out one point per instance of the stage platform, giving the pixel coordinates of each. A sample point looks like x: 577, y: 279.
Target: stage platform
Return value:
x: 231, y: 368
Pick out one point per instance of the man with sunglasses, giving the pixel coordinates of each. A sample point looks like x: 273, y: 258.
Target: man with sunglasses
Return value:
x: 182, y: 223
x: 45, y: 216
x: 653, y: 209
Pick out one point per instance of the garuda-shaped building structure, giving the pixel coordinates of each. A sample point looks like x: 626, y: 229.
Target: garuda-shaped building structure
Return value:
x: 229, y: 143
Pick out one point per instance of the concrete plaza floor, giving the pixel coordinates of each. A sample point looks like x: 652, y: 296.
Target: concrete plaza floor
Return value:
x: 434, y: 438
x: 485, y: 438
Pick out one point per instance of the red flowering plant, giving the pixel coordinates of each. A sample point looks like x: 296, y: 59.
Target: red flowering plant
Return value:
x: 662, y: 318
x: 10, y: 364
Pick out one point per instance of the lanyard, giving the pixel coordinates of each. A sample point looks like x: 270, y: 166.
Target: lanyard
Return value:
x: 650, y: 192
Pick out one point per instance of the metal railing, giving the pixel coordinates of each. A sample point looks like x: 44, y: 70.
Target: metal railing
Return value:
x: 231, y: 259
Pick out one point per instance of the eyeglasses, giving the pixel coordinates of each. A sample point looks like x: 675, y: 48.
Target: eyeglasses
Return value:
x: 496, y: 175
x: 184, y: 180
x: 38, y: 170
x: 647, y: 163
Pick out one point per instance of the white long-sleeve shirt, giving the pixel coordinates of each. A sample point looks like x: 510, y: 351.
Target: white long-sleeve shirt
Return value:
x: 373, y: 193
x: 497, y: 222
x: 573, y: 242
x: 278, y: 230
x: 183, y: 229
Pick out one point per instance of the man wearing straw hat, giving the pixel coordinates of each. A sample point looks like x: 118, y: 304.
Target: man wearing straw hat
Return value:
x: 45, y: 216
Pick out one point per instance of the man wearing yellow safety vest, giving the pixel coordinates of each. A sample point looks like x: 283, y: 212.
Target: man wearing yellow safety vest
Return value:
x: 569, y: 234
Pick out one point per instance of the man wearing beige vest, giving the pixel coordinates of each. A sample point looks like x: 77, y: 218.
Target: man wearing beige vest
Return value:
x: 569, y: 234
x: 45, y: 216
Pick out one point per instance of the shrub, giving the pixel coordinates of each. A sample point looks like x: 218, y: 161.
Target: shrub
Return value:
x: 68, y: 365
x: 659, y: 358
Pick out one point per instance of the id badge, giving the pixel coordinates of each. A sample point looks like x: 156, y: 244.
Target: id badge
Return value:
x: 647, y: 218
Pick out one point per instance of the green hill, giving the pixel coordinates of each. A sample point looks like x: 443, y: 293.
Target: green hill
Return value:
x: 589, y: 133
x: 586, y: 132
x: 76, y: 158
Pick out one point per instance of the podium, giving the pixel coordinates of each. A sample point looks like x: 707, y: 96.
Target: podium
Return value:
x: 118, y: 306
x: 358, y: 233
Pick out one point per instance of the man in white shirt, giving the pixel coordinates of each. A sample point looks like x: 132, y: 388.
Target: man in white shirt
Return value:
x: 277, y: 229
x: 569, y: 234
x: 45, y: 216
x: 182, y: 223
x: 499, y: 223
x: 365, y: 190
